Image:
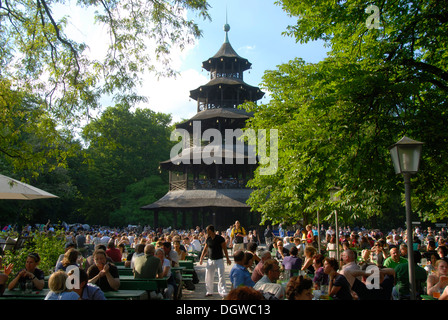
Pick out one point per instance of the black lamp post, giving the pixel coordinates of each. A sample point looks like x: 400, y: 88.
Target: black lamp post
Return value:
x: 406, y: 158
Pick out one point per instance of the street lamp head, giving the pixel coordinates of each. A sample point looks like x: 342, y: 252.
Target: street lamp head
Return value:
x: 406, y: 155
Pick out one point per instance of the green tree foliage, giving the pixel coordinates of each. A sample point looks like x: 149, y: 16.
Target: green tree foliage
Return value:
x: 29, y: 138
x: 40, y: 154
x: 137, y: 195
x: 49, y: 246
x: 65, y: 208
x: 123, y: 148
x: 337, y: 118
x: 112, y: 174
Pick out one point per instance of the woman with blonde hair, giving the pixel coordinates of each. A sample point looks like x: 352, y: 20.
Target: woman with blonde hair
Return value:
x: 436, y: 282
x: 307, y: 266
x: 58, y: 287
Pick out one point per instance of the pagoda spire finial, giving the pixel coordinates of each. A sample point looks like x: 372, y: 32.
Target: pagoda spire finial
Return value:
x: 226, y: 29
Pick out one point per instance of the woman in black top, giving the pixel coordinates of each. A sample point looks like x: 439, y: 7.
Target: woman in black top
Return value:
x: 30, y: 273
x: 339, y: 287
x: 102, y: 273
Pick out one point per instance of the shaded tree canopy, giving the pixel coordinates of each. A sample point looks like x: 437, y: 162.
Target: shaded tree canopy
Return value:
x: 124, y: 148
x: 52, y: 85
x: 337, y: 118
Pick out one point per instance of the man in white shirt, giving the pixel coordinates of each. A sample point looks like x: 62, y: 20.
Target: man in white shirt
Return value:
x: 139, y: 251
x: 348, y: 260
x: 329, y: 233
x: 131, y: 238
x: 229, y: 231
x: 196, y: 244
x: 288, y: 243
x: 105, y: 239
x: 268, y: 283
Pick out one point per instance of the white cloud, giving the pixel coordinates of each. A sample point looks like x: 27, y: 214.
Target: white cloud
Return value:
x: 167, y: 95
x: 172, y: 95
x: 246, y: 48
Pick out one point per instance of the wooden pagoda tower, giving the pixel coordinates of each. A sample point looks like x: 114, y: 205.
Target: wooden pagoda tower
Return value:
x: 201, y: 191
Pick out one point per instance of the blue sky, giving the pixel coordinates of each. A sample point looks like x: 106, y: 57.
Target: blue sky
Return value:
x: 256, y: 28
x: 256, y: 34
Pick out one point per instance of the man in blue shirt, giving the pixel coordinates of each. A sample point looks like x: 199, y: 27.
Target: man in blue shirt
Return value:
x: 239, y: 275
x: 281, y: 231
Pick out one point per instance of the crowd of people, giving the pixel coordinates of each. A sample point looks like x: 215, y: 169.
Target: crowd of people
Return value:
x: 345, y: 265
x: 95, y: 255
x: 302, y: 264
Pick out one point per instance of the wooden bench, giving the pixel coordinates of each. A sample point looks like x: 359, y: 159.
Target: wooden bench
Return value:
x: 156, y: 284
x: 125, y: 271
x: 188, y: 264
x: 148, y: 285
x: 188, y: 269
x: 129, y: 249
x: 186, y: 276
x: 190, y: 258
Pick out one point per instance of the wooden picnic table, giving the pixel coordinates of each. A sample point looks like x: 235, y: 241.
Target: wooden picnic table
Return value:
x: 124, y: 294
x: 40, y: 295
x: 428, y: 297
x: 18, y: 294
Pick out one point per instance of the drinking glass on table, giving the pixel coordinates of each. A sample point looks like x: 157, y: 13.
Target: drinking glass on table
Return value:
x: 28, y: 286
x: 324, y: 289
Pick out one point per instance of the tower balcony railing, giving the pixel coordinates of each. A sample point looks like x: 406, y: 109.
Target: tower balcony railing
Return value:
x: 204, y: 184
x: 235, y: 75
x: 224, y: 103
